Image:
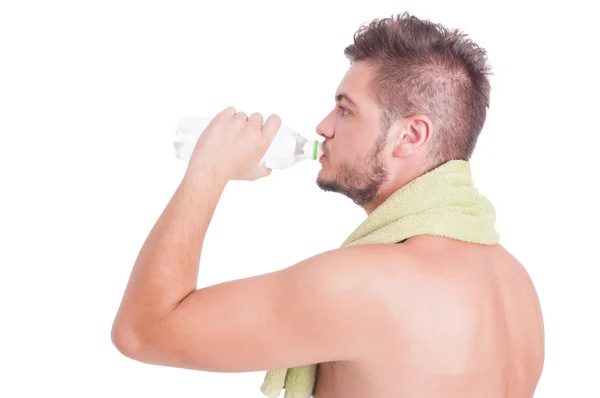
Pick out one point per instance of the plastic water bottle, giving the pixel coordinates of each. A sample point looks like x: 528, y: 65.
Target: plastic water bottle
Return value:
x: 288, y: 147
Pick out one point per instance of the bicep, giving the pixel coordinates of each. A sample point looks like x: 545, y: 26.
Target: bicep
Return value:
x: 315, y: 311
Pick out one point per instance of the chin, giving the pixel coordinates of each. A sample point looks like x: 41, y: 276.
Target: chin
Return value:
x: 325, y: 176
x: 324, y: 170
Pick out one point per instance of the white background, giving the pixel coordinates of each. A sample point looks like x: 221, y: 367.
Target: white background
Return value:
x: 90, y: 93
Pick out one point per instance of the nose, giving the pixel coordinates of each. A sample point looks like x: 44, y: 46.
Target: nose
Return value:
x: 325, y: 128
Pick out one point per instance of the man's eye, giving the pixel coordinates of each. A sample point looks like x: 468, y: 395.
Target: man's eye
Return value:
x: 343, y: 110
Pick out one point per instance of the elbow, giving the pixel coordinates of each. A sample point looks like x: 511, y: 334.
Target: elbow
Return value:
x: 133, y: 344
x: 126, y: 342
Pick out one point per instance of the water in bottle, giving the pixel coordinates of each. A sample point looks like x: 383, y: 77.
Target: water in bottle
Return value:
x: 288, y: 146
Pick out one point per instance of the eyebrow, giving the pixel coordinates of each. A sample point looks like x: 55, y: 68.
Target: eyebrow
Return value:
x: 342, y: 96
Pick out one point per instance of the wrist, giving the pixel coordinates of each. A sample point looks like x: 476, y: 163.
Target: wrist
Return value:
x: 206, y: 174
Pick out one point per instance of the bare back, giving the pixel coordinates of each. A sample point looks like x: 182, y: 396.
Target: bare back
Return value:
x: 464, y: 321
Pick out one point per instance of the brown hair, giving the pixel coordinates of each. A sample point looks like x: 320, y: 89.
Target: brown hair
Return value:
x: 425, y: 68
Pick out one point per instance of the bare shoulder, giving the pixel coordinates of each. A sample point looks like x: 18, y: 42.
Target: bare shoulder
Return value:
x: 369, y: 270
x: 382, y: 272
x: 361, y: 261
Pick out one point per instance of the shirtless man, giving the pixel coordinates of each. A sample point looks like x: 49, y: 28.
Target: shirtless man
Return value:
x: 430, y: 317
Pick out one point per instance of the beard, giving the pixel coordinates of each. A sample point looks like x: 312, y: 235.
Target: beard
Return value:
x: 360, y: 180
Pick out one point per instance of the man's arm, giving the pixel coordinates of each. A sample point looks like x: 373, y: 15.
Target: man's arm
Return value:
x: 322, y: 309
x: 166, y: 269
x: 317, y: 310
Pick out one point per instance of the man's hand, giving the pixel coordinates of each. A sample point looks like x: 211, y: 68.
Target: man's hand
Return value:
x: 233, y: 144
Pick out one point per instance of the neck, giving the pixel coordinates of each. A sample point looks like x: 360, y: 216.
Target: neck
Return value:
x: 394, y: 183
x: 441, y: 202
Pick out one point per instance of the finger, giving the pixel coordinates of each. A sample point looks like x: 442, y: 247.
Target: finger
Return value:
x: 239, y: 120
x: 225, y: 114
x: 256, y: 119
x: 258, y: 174
x: 241, y: 116
x: 271, y: 127
x: 264, y: 172
x: 229, y: 111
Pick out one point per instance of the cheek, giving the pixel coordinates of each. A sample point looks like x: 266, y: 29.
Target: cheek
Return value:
x: 351, y: 140
x: 357, y: 146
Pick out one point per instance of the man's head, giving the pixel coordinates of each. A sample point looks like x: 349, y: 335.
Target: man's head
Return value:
x: 414, y: 97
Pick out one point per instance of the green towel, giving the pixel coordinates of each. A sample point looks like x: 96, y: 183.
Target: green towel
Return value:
x: 441, y: 202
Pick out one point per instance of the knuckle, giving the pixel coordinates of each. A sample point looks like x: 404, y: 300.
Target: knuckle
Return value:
x: 256, y: 118
x: 228, y: 111
x: 275, y: 119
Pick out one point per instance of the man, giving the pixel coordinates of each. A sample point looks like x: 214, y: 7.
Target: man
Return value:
x: 430, y: 317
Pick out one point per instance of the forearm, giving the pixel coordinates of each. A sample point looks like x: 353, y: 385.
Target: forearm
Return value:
x: 166, y: 269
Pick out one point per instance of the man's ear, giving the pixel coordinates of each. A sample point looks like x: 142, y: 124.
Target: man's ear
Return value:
x: 412, y: 133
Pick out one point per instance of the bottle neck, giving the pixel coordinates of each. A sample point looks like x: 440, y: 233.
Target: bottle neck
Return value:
x: 311, y: 149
